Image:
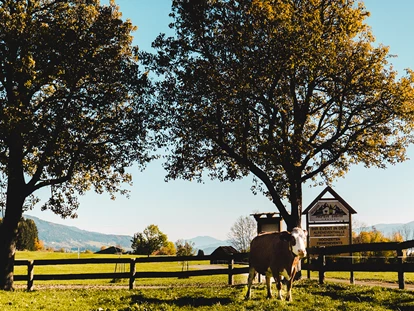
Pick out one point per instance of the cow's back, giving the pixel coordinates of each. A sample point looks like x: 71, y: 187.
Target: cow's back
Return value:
x: 267, y: 250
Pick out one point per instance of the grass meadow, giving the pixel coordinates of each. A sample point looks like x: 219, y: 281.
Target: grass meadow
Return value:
x: 195, y: 293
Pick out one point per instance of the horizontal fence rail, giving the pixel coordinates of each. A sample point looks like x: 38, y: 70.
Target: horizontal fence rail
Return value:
x: 319, y: 263
x: 322, y: 265
x: 30, y: 277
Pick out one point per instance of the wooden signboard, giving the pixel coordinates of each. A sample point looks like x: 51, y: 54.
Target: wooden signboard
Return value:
x: 328, y: 235
x: 328, y: 221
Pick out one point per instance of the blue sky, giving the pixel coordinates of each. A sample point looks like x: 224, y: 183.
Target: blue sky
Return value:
x: 184, y: 209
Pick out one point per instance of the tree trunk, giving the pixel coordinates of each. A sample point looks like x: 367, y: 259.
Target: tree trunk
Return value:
x: 8, y: 231
x: 16, y: 195
x: 295, y: 219
x: 7, y: 252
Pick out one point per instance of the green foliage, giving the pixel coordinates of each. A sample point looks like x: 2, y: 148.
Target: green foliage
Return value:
x: 27, y: 235
x: 69, y: 98
x: 288, y: 91
x: 185, y: 248
x: 167, y: 249
x: 374, y: 236
x: 149, y: 241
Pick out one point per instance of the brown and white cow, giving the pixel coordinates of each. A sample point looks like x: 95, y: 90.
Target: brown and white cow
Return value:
x: 277, y: 254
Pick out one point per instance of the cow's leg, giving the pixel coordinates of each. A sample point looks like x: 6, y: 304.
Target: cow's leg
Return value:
x: 268, y: 284
x: 252, y: 274
x: 289, y: 286
x: 278, y: 281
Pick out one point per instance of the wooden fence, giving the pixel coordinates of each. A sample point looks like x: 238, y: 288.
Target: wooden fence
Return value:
x: 397, y: 263
x: 319, y: 263
x: 30, y: 277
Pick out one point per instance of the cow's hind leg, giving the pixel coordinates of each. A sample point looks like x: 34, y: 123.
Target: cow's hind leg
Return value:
x: 268, y: 283
x: 252, y: 274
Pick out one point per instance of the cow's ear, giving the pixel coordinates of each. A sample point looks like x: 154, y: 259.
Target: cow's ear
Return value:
x: 305, y: 232
x: 286, y: 236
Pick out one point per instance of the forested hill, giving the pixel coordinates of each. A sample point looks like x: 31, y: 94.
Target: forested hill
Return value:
x: 71, y: 238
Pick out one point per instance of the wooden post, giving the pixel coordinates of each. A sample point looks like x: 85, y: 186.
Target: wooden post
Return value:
x: 308, y: 244
x: 132, y: 271
x: 401, y: 281
x: 30, y: 275
x: 321, y: 261
x: 231, y: 263
x: 351, y: 275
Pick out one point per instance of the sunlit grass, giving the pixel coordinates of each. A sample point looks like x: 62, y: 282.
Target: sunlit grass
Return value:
x: 307, y: 294
x: 194, y: 293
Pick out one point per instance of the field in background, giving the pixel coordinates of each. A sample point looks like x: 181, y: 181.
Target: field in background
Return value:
x: 390, y: 277
x: 101, y: 268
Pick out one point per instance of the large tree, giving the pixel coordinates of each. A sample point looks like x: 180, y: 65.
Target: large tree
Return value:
x: 70, y: 107
x: 27, y: 235
x: 288, y: 91
x: 149, y: 241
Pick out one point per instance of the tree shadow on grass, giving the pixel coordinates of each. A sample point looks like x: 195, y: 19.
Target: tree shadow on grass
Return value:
x: 180, y: 301
x: 402, y: 301
x: 338, y: 292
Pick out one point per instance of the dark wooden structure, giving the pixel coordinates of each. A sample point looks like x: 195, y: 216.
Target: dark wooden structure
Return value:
x: 222, y: 252
x: 268, y: 222
x: 110, y: 250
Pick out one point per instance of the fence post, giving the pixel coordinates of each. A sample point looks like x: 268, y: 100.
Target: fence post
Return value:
x: 321, y: 264
x: 30, y: 275
x: 401, y: 281
x: 132, y: 271
x: 231, y: 263
x: 351, y: 275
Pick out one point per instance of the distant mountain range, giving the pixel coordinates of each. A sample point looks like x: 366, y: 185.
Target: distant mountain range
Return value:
x: 71, y: 238
x: 207, y: 243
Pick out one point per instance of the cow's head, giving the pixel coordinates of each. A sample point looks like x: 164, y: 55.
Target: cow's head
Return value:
x: 297, y: 239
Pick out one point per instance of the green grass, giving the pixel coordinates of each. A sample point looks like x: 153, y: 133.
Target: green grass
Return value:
x: 307, y: 295
x: 195, y: 293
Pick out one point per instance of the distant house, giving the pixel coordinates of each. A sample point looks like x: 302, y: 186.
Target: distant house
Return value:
x: 221, y: 252
x: 111, y: 250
